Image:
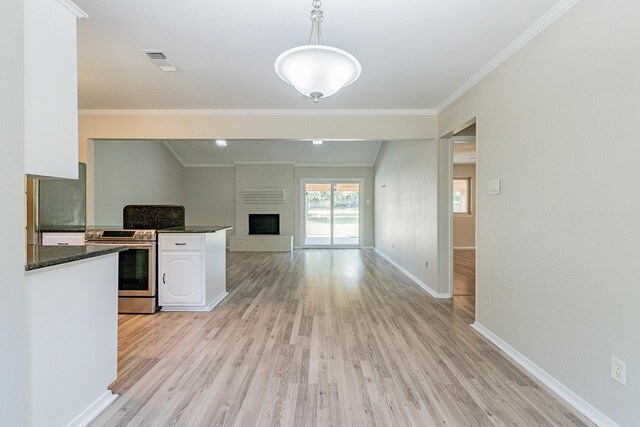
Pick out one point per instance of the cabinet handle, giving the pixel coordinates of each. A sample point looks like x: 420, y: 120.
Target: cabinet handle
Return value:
x: 163, y: 276
x: 63, y: 244
x: 181, y: 244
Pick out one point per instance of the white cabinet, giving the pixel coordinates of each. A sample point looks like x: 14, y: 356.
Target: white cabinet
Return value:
x: 191, y: 270
x: 181, y: 278
x: 63, y: 239
x: 51, y: 88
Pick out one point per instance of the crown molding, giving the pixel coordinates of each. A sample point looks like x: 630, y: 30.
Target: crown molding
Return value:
x: 210, y: 165
x: 73, y: 8
x: 241, y: 112
x: 264, y: 163
x: 547, y: 19
x: 333, y: 165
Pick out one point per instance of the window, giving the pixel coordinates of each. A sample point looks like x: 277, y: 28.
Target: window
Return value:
x: 462, y: 195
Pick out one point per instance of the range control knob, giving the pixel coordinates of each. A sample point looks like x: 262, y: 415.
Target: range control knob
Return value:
x: 148, y: 234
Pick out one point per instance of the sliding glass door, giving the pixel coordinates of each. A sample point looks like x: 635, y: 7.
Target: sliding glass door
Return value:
x: 331, y: 213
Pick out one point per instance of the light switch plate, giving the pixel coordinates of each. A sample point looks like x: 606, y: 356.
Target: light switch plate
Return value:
x: 494, y: 187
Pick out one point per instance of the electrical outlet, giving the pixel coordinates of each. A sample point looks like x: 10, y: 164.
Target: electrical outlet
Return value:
x: 619, y: 370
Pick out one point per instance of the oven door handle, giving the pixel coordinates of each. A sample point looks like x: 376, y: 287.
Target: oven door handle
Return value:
x: 137, y: 245
x: 129, y: 245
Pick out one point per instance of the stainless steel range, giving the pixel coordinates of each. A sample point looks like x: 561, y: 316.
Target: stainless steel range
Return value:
x: 137, y: 286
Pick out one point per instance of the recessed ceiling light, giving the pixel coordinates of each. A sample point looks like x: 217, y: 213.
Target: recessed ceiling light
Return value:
x: 221, y: 142
x: 317, y: 142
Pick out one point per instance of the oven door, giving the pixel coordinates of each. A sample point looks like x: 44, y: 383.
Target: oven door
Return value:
x: 137, y: 270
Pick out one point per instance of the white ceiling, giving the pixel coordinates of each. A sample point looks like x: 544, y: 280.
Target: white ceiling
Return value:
x: 464, y: 153
x: 414, y: 53
x: 207, y: 153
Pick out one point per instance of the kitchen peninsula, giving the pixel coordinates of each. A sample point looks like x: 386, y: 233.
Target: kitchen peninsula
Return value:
x: 71, y: 332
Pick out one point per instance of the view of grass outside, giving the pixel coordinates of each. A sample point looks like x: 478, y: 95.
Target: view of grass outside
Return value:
x: 346, y: 225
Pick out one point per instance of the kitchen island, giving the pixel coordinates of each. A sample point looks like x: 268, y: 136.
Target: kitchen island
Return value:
x: 71, y: 332
x: 192, y: 267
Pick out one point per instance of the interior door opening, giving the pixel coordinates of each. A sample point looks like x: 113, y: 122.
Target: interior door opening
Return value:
x: 331, y: 213
x: 463, y: 217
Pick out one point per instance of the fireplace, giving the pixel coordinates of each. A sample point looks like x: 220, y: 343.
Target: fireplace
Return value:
x: 264, y: 224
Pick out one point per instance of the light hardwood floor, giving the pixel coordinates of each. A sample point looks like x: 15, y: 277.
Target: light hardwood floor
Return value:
x: 464, y: 272
x: 326, y: 338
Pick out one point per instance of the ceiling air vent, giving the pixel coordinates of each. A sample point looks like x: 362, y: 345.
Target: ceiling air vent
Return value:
x: 160, y: 59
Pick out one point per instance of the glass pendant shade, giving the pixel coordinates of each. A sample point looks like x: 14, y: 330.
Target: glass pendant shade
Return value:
x: 317, y: 71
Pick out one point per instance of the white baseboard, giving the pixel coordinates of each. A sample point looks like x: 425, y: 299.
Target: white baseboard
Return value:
x: 95, y: 409
x: 207, y: 307
x: 464, y: 247
x: 217, y: 300
x: 412, y: 277
x: 544, y: 377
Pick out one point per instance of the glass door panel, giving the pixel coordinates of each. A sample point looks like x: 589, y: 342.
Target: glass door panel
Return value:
x: 331, y: 213
x: 317, y: 214
x: 346, y: 214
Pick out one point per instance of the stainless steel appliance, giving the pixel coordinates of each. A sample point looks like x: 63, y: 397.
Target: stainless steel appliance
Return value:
x: 137, y: 285
x: 61, y: 203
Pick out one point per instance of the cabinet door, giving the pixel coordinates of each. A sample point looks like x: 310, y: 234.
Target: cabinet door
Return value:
x: 51, y: 89
x: 181, y: 278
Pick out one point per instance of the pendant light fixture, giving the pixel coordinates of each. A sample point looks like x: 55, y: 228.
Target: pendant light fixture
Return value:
x: 316, y: 70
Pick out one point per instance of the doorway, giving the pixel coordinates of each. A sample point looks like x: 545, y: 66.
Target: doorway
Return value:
x: 331, y: 213
x: 463, y: 216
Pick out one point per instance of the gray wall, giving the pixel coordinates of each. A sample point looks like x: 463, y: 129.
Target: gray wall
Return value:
x: 12, y: 215
x: 345, y: 172
x: 406, y: 208
x: 134, y: 172
x: 558, y: 250
x: 209, y: 196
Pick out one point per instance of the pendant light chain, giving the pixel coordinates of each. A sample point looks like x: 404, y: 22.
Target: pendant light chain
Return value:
x: 315, y: 37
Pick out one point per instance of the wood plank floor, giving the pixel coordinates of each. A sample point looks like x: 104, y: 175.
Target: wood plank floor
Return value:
x: 321, y: 338
x: 464, y: 272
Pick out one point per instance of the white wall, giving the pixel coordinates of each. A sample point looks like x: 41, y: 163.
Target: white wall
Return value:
x: 264, y: 177
x: 406, y: 207
x: 12, y: 215
x: 558, y: 271
x: 134, y: 172
x: 209, y: 196
x: 464, y: 226
x: 345, y: 172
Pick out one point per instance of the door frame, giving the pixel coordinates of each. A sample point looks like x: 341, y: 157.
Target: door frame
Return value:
x: 448, y: 246
x: 303, y: 216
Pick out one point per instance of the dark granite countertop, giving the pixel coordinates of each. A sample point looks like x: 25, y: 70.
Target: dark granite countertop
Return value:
x: 62, y: 229
x: 196, y: 229
x: 39, y: 256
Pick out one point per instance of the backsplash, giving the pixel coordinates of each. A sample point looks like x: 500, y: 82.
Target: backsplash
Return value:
x: 153, y: 216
